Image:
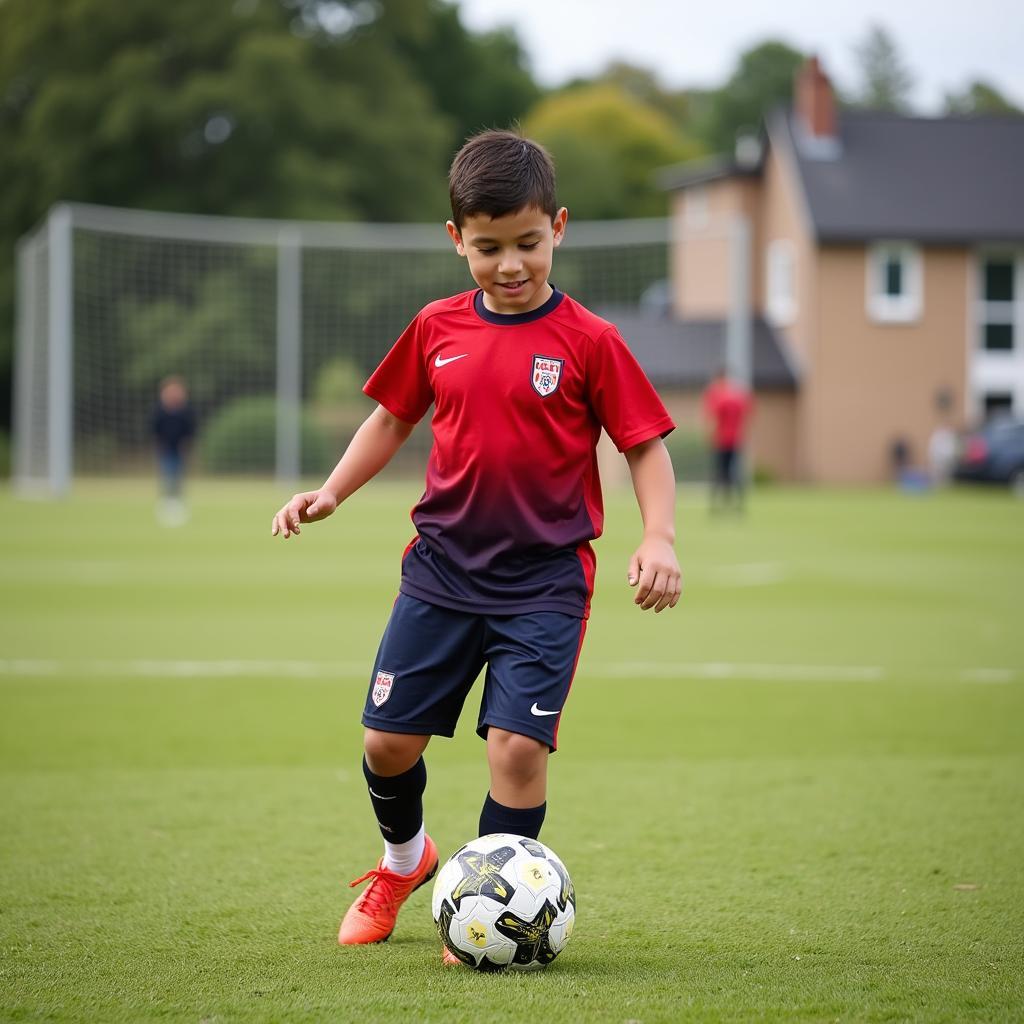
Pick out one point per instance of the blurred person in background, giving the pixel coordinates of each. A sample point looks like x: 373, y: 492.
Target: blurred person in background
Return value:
x: 727, y: 410
x: 173, y: 427
x: 942, y: 445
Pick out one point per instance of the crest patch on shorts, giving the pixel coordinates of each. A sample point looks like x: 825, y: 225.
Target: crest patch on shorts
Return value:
x: 546, y: 376
x: 382, y: 687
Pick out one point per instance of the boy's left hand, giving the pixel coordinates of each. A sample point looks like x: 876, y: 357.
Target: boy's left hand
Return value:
x: 654, y: 570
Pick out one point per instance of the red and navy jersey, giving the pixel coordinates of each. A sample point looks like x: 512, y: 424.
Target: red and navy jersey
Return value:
x: 727, y: 407
x: 513, y: 498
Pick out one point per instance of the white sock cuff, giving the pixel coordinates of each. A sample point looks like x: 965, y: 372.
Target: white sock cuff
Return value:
x: 403, y: 858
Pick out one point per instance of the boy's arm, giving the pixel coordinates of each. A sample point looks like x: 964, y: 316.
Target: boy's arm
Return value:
x: 653, y: 569
x: 369, y: 451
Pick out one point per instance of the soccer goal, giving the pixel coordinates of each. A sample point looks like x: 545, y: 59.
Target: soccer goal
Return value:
x: 274, y: 326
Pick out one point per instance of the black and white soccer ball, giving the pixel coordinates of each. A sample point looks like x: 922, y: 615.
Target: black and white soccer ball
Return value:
x: 504, y: 902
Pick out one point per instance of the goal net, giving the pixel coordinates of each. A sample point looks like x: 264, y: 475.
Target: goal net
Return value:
x: 273, y: 325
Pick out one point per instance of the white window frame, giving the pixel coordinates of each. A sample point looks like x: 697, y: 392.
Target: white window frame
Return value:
x: 990, y: 311
x: 995, y: 371
x: 904, y: 308
x: 780, y: 282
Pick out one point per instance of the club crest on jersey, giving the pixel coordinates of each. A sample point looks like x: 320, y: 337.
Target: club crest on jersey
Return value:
x: 382, y: 687
x: 547, y: 374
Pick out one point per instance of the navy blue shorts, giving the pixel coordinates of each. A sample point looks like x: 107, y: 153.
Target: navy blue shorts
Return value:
x: 429, y: 657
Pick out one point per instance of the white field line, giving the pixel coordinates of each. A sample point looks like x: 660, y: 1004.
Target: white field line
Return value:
x: 734, y: 670
x: 236, y: 668
x: 115, y: 573
x: 181, y: 668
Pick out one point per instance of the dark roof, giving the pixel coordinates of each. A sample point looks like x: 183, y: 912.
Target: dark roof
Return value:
x: 687, y: 353
x: 696, y: 172
x: 949, y: 179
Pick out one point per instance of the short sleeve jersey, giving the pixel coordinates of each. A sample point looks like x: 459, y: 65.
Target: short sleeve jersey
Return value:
x: 727, y: 407
x: 513, y: 498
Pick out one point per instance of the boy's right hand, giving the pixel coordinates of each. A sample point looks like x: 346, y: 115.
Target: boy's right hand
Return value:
x: 307, y: 507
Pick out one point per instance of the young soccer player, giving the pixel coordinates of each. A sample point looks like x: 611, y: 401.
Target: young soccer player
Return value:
x: 501, y: 570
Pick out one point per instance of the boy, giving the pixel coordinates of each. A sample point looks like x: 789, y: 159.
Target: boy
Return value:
x: 501, y: 570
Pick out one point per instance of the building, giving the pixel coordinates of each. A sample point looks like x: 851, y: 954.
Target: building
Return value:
x: 880, y: 261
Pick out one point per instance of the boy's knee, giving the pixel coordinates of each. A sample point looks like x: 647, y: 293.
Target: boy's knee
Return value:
x: 517, y: 756
x: 391, y: 753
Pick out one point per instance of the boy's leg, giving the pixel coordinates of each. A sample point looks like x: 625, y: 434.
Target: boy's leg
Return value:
x: 427, y: 661
x: 719, y: 480
x: 532, y: 661
x: 396, y: 777
x: 517, y: 799
x: 410, y: 857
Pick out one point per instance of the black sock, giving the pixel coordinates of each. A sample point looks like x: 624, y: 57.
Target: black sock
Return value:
x: 398, y: 801
x: 519, y: 821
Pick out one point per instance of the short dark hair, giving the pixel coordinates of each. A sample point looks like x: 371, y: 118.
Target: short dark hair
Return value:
x: 500, y: 172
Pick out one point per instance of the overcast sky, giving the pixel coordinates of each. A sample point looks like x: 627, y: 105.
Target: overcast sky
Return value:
x: 943, y: 45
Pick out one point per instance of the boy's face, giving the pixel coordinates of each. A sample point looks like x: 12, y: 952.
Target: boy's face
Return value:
x: 510, y: 256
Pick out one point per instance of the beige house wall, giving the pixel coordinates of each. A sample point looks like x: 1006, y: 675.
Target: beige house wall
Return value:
x: 700, y: 275
x: 870, y: 383
x: 699, y: 258
x: 784, y: 216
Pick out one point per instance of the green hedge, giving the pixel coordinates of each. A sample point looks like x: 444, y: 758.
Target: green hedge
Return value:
x: 690, y: 454
x: 241, y: 439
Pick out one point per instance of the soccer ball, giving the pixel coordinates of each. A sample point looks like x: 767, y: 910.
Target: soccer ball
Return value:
x: 504, y: 901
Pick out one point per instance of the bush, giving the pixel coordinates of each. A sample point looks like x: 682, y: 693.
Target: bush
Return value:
x: 241, y: 438
x: 339, y: 405
x: 338, y: 382
x: 5, y: 455
x: 690, y: 453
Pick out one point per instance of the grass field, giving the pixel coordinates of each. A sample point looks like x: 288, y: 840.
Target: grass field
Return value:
x: 797, y: 797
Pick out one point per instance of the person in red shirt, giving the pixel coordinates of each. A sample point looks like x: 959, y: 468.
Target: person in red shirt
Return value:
x: 522, y: 379
x: 727, y: 409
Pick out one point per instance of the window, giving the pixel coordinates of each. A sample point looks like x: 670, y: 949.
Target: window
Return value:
x: 997, y: 405
x: 895, y: 282
x: 999, y: 279
x: 996, y: 365
x: 996, y: 307
x: 780, y: 284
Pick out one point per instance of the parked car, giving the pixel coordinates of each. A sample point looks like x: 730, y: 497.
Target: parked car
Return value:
x: 994, y: 454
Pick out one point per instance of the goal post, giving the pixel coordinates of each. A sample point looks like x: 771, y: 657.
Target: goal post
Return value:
x: 274, y: 326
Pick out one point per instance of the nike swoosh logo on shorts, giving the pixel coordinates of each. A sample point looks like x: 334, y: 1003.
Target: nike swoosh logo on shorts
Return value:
x: 379, y: 797
x: 537, y: 711
x: 439, y: 362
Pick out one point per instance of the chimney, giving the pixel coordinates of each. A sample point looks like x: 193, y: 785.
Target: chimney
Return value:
x: 814, y: 101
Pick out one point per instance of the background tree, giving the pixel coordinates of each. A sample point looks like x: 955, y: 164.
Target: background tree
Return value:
x: 643, y: 85
x: 980, y: 97
x: 282, y: 108
x: 607, y: 146
x: 477, y: 81
x: 762, y: 79
x: 886, y: 83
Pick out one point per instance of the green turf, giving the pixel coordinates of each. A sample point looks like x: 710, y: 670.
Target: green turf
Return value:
x: 798, y: 797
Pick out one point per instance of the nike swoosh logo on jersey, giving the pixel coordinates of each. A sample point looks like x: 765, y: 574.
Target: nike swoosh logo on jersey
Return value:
x: 537, y: 711
x: 439, y: 362
x: 379, y: 797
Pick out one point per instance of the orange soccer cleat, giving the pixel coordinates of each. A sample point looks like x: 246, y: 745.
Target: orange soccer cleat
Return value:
x: 372, y: 917
x: 448, y: 958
